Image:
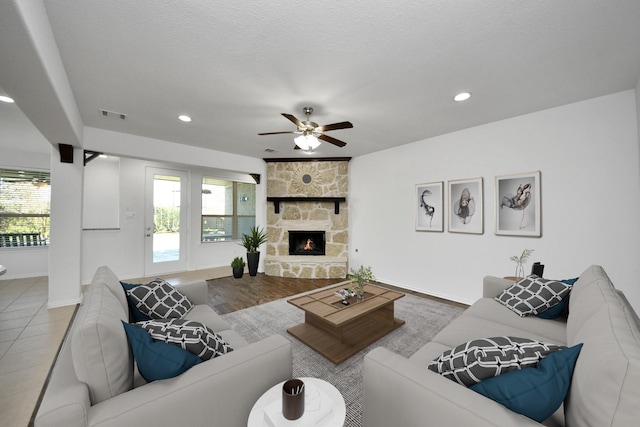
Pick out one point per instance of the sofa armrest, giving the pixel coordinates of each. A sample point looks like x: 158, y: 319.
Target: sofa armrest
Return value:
x: 492, y: 286
x: 397, y: 392
x: 220, y: 391
x: 197, y: 292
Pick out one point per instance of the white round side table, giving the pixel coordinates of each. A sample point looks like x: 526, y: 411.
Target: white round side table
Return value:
x: 323, y: 406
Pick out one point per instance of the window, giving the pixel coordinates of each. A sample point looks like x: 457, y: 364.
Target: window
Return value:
x: 24, y: 208
x: 228, y: 209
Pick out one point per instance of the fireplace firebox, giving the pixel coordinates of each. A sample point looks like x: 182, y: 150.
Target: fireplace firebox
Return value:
x: 307, y: 242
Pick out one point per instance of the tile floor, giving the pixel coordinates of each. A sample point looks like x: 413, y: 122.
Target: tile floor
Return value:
x: 30, y: 335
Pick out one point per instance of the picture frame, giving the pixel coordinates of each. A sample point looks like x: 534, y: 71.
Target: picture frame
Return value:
x: 429, y: 206
x: 517, y: 204
x: 466, y: 206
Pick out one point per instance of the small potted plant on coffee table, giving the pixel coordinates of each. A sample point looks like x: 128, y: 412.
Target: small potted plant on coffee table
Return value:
x: 238, y: 267
x: 358, y: 278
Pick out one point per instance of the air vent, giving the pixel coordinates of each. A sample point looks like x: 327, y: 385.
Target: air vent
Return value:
x: 270, y: 150
x: 113, y: 114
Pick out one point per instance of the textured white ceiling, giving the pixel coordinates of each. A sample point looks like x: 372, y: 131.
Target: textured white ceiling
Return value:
x: 389, y: 67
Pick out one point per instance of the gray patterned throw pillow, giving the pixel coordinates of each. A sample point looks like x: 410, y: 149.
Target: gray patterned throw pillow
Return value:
x: 189, y: 335
x: 533, y: 295
x: 159, y: 300
x: 473, y: 361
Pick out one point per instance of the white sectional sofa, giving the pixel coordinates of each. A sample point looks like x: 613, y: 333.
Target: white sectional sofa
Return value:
x: 604, y: 389
x: 95, y: 383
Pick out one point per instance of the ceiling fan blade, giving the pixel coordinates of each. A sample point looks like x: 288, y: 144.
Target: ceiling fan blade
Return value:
x: 334, y: 126
x: 275, y: 133
x: 332, y: 140
x: 294, y: 120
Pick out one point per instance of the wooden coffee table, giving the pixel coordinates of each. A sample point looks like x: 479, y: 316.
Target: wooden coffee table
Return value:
x: 339, y: 331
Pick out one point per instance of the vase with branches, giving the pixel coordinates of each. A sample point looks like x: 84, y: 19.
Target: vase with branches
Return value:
x: 520, y: 260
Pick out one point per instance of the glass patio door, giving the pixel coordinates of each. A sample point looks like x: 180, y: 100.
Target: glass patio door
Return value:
x: 165, y: 221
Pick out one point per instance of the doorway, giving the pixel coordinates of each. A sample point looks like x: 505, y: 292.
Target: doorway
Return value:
x: 165, y: 221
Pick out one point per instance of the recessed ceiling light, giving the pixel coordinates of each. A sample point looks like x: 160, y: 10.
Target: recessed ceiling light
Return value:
x: 184, y: 118
x: 6, y: 99
x: 462, y: 96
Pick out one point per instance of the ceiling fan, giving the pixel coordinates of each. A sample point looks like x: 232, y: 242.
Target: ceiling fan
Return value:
x: 310, y: 132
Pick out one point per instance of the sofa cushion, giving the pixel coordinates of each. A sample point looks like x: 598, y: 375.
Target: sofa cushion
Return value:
x: 604, y: 389
x: 157, y: 360
x: 533, y: 295
x: 207, y: 316
x: 467, y: 327
x: 535, y: 392
x: 99, y: 347
x: 159, y: 300
x: 530, y: 326
x: 108, y: 278
x: 473, y: 361
x: 188, y: 335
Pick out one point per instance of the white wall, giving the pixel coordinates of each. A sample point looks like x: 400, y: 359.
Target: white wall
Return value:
x: 123, y: 249
x: 588, y: 157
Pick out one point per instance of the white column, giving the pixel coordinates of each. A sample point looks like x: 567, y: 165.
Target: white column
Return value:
x: 65, y: 252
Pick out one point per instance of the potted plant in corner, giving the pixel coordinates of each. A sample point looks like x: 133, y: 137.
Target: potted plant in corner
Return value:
x: 238, y: 267
x: 251, y: 243
x: 358, y: 278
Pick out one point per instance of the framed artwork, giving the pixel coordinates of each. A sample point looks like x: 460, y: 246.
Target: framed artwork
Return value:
x: 466, y: 206
x: 428, y: 202
x: 518, y: 204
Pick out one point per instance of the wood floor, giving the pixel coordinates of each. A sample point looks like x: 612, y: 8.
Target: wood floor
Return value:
x: 231, y: 294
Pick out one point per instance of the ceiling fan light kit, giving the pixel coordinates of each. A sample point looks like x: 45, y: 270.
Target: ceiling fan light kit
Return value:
x: 307, y: 142
x: 311, y: 133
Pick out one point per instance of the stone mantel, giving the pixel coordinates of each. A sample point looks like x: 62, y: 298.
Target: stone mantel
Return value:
x: 335, y: 200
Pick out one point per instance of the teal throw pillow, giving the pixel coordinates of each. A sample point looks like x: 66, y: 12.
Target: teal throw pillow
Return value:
x: 157, y: 360
x: 560, y: 308
x: 534, y: 392
x: 135, y: 314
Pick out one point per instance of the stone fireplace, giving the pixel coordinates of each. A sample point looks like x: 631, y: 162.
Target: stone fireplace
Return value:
x: 307, y: 200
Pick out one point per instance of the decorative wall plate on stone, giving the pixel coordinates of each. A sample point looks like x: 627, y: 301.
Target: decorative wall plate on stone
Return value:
x: 307, y: 180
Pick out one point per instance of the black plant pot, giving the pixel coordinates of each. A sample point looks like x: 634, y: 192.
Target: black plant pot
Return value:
x: 238, y: 272
x: 252, y: 262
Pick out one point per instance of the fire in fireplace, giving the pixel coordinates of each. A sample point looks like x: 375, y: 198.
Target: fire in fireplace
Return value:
x: 306, y: 242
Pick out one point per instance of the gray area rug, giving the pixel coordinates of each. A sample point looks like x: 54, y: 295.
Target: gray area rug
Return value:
x: 424, y: 319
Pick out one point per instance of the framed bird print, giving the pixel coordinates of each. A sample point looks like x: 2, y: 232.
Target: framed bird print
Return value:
x: 466, y: 206
x: 518, y: 204
x: 428, y: 206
